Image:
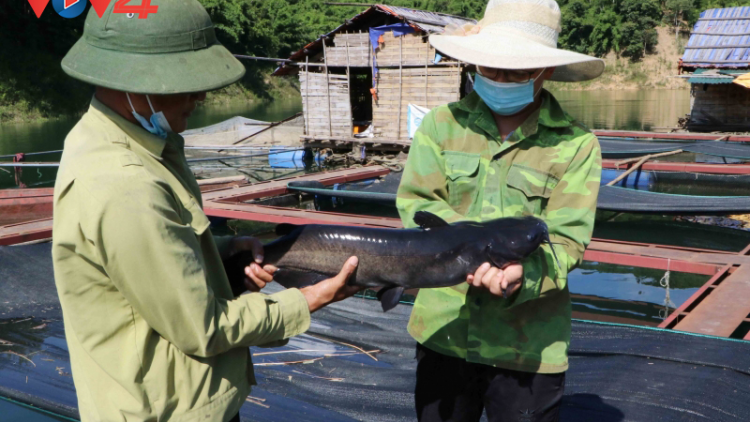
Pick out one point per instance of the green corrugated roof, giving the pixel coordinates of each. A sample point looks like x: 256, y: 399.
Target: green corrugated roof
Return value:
x: 724, y: 77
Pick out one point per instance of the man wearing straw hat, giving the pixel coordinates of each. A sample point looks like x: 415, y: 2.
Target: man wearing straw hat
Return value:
x: 499, y: 342
x: 153, y: 328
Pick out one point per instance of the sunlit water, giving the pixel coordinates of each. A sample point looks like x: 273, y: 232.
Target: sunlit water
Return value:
x: 626, y: 110
x: 50, y: 135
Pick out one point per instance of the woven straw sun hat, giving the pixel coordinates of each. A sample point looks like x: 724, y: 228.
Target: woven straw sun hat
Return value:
x: 517, y: 34
x: 173, y: 51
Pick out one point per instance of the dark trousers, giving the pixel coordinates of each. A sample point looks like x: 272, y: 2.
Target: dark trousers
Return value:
x: 450, y: 389
x: 236, y: 418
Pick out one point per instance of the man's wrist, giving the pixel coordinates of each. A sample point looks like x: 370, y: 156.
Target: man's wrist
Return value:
x: 314, y: 299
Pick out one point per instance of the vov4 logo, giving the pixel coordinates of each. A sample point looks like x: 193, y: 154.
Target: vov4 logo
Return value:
x: 73, y: 8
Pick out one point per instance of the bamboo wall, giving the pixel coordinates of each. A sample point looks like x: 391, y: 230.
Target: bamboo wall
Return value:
x: 720, y: 107
x: 357, y: 46
x: 323, y: 97
x: 407, y: 75
x: 427, y: 87
x: 409, y: 50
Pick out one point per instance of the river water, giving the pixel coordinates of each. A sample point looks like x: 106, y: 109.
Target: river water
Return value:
x: 600, y: 291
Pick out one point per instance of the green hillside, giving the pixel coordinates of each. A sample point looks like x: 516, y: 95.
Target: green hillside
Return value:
x: 32, y: 85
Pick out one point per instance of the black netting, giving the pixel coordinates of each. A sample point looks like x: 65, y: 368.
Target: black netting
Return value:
x: 25, y: 287
x: 617, y: 373
x: 617, y: 148
x: 613, y: 198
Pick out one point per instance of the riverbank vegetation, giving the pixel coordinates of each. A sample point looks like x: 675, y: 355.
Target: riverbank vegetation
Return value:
x: 33, y: 86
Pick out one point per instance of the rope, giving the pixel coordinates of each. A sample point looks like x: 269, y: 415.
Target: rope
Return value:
x: 18, y: 170
x: 664, y: 282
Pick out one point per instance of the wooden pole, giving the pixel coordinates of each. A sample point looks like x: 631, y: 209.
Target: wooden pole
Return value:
x: 349, y: 88
x: 400, y: 82
x: 307, y: 95
x: 649, y: 156
x: 638, y: 165
x: 458, y: 80
x: 426, y: 75
x: 328, y: 91
x: 372, y: 69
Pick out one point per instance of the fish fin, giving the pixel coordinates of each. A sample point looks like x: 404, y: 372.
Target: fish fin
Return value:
x: 292, y: 278
x: 428, y: 220
x: 389, y: 297
x: 284, y: 229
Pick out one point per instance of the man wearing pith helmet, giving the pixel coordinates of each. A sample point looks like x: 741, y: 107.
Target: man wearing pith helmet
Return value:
x: 499, y: 342
x: 154, y: 330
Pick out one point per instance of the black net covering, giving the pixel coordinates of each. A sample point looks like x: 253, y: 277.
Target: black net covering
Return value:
x: 616, y: 148
x: 617, y: 373
x: 613, y: 198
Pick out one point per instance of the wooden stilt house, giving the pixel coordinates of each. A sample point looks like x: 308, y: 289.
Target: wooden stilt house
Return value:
x: 717, y: 53
x: 358, y: 81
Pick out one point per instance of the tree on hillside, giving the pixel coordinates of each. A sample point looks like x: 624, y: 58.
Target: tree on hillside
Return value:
x: 577, y: 26
x: 674, y: 9
x: 606, y: 34
x: 640, y: 18
x: 30, y: 54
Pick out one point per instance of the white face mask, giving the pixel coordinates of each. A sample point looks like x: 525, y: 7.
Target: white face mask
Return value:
x: 158, y: 125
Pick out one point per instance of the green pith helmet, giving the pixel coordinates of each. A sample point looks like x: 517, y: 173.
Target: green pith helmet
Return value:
x: 173, y: 51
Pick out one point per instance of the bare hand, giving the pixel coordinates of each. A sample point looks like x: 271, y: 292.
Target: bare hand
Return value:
x: 500, y: 282
x: 333, y: 289
x: 256, y: 276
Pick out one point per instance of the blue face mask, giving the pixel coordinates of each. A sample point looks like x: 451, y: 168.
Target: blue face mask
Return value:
x: 505, y: 99
x: 158, y: 125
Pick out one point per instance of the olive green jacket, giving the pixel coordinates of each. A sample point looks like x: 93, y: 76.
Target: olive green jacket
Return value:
x: 153, y: 330
x: 460, y: 169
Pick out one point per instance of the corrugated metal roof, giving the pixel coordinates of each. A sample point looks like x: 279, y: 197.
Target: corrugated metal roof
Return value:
x: 720, y: 39
x: 420, y: 19
x: 712, y: 77
x: 427, y: 21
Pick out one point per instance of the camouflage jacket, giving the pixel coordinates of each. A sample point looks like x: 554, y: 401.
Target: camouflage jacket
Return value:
x: 460, y: 169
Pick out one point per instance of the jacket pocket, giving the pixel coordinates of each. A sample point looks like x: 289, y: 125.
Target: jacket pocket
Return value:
x: 530, y: 189
x: 462, y: 171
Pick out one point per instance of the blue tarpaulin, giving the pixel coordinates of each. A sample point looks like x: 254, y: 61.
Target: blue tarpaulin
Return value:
x: 398, y: 29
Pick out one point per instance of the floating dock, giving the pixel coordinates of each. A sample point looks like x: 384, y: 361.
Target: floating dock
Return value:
x: 719, y: 308
x: 680, y: 167
x: 690, y: 136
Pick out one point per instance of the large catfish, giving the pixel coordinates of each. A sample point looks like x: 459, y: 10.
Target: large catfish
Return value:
x: 437, y: 254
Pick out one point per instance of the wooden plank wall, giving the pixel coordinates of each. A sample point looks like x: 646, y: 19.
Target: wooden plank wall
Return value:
x: 427, y: 87
x: 416, y: 51
x: 317, y: 97
x: 358, y: 48
x: 725, y: 105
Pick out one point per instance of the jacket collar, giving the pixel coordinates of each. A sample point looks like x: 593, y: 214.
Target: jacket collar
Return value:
x: 151, y: 143
x: 549, y: 114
